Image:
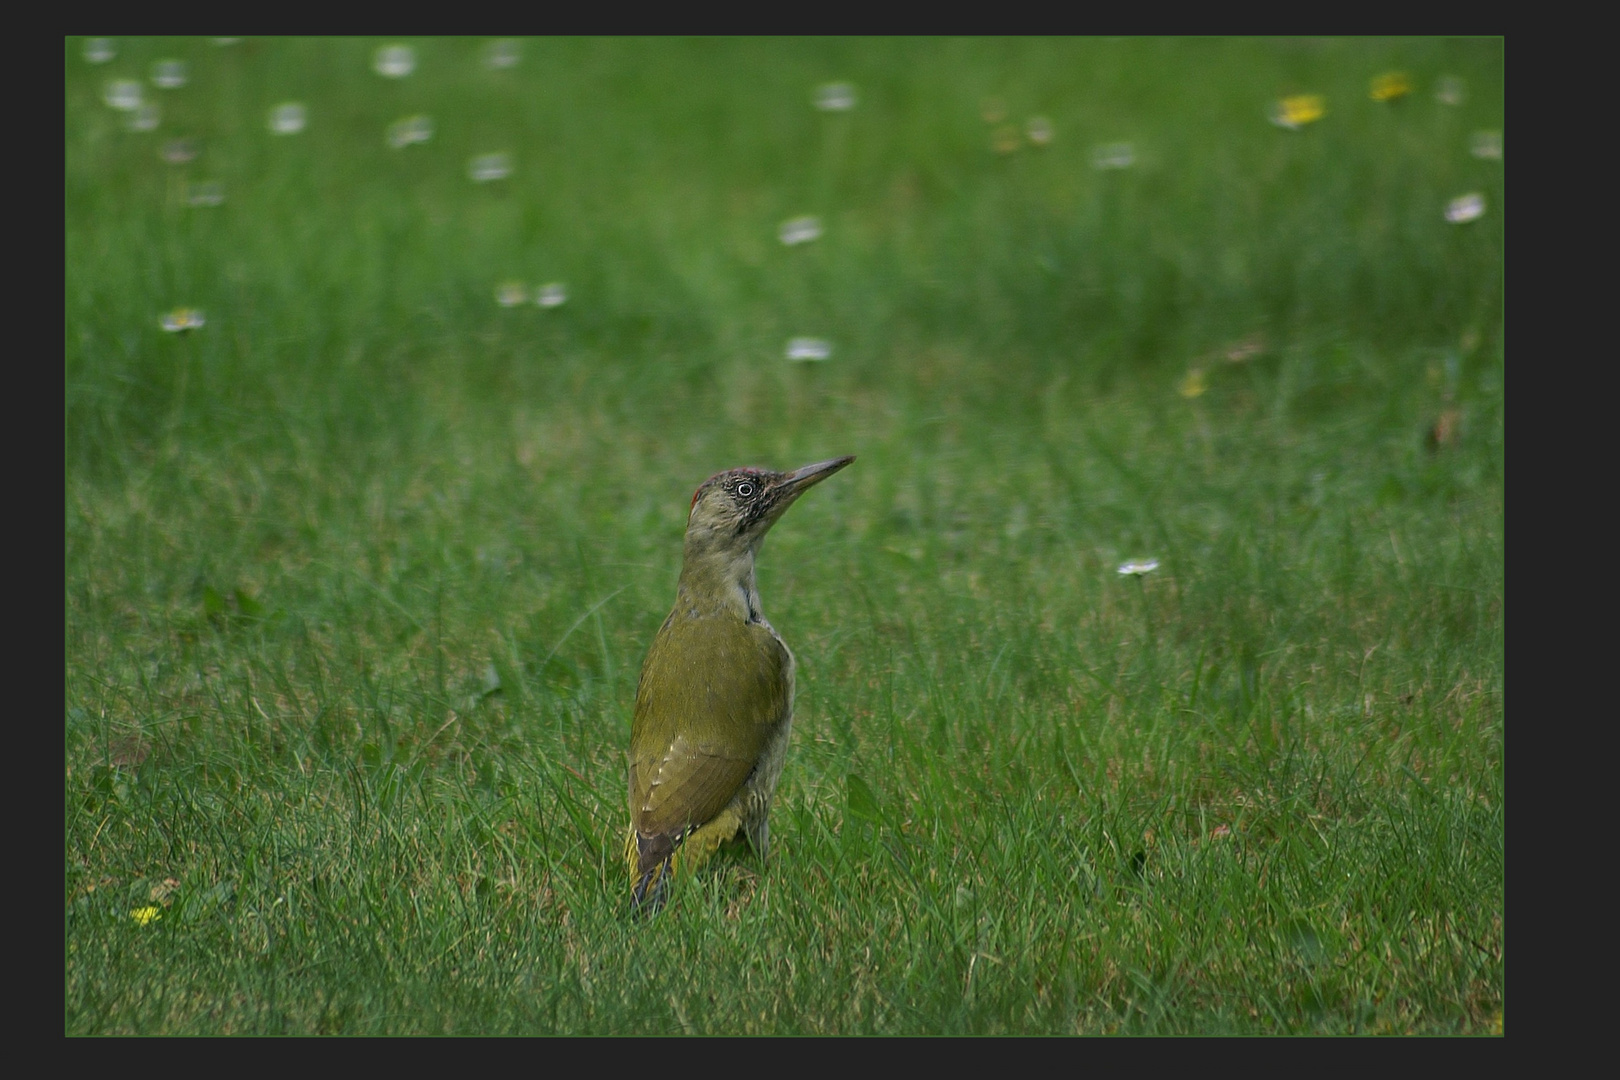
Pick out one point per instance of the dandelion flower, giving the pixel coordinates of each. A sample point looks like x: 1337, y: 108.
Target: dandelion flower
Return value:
x: 411, y: 129
x: 288, y: 118
x: 552, y: 294
x: 1138, y: 567
x: 394, y: 61
x: 1486, y: 145
x: 144, y: 915
x: 1465, y: 208
x: 502, y: 53
x: 182, y: 319
x: 99, y: 50
x: 1119, y: 155
x: 170, y: 74
x: 123, y: 94
x: 1193, y: 385
x: 1450, y: 90
x: 835, y: 97
x: 1295, y: 112
x: 486, y: 167
x: 1390, y: 86
x: 511, y: 293
x: 808, y: 348
x: 1038, y: 130
x: 799, y: 230
x: 1006, y: 138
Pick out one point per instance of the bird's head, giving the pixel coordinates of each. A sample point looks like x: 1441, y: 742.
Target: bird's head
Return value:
x: 732, y: 511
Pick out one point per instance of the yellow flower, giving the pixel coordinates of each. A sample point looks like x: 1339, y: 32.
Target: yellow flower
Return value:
x: 181, y: 319
x: 1390, y: 85
x: 144, y: 915
x: 1295, y: 112
x: 1193, y: 385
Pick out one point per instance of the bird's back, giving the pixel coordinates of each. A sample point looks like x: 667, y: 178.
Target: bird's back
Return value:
x: 715, y: 694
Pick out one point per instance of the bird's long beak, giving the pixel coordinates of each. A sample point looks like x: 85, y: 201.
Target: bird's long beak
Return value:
x: 799, y: 479
x: 791, y: 485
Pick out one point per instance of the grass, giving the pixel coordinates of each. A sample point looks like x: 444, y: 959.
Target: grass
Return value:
x: 359, y: 575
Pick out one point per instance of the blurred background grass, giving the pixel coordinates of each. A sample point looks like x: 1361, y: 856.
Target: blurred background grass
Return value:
x: 360, y: 573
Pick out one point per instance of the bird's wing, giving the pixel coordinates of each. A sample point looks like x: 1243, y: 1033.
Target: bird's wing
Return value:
x: 688, y: 785
x: 710, y: 695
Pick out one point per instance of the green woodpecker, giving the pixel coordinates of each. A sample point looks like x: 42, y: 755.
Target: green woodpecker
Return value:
x: 715, y: 701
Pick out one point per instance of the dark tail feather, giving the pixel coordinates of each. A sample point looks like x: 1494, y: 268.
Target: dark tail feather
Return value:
x: 652, y: 872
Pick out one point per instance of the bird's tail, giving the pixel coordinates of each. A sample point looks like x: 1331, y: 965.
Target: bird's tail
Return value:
x: 650, y: 859
x: 653, y: 860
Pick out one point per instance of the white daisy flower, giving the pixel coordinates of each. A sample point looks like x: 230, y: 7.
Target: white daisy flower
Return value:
x: 394, y: 61
x: 170, y: 74
x: 411, y: 129
x: 1465, y: 208
x: 799, y: 230
x: 124, y: 95
x: 835, y: 97
x: 288, y: 118
x: 1119, y: 155
x: 1486, y: 145
x: 179, y: 151
x: 808, y: 348
x: 486, y: 167
x: 503, y: 53
x: 144, y: 117
x: 210, y: 193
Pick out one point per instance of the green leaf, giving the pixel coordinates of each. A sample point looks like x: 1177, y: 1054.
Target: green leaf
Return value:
x: 862, y: 802
x: 1302, y: 938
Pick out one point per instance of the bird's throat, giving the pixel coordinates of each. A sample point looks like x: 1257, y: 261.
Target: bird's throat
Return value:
x: 716, y: 583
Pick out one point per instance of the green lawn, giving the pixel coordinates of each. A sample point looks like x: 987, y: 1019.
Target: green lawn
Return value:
x: 360, y: 573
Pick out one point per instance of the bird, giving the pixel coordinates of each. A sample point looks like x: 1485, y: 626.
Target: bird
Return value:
x: 714, y: 704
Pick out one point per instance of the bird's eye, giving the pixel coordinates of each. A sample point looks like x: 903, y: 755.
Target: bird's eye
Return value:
x: 745, y: 489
